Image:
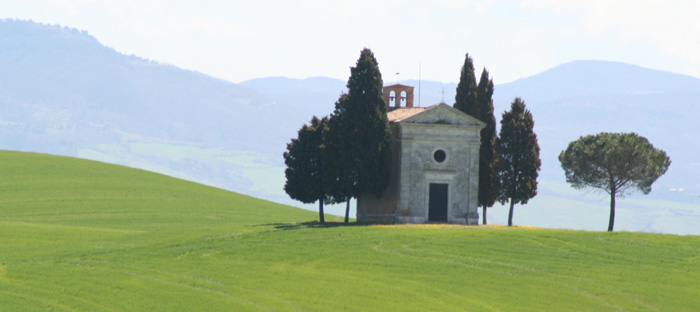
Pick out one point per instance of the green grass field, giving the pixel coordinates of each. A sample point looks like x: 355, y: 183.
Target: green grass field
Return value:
x: 77, y: 235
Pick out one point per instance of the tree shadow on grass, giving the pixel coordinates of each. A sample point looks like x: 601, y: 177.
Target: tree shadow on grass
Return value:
x: 311, y: 224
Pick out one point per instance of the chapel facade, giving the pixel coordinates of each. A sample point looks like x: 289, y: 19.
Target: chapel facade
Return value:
x: 434, y: 165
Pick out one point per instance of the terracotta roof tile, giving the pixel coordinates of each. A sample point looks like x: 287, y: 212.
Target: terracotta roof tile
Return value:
x: 400, y: 114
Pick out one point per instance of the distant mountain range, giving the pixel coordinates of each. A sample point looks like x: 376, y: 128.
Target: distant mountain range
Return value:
x: 62, y: 92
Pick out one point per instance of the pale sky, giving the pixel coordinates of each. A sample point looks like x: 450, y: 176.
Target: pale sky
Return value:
x: 240, y: 40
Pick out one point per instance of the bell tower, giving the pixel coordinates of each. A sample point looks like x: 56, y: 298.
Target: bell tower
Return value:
x: 398, y: 94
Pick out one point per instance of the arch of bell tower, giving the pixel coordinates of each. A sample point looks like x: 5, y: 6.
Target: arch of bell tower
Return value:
x: 399, y: 91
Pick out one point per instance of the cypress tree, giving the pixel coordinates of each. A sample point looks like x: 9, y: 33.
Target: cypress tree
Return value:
x: 465, y: 100
x: 362, y: 129
x: 306, y: 162
x: 488, y: 177
x: 340, y: 185
x: 518, y: 159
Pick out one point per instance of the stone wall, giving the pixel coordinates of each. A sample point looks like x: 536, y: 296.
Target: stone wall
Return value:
x: 459, y: 171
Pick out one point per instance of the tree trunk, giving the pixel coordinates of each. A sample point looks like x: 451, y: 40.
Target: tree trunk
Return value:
x: 612, y: 211
x: 347, y: 211
x: 484, y: 215
x: 510, y: 213
x: 364, y: 210
x: 320, y: 211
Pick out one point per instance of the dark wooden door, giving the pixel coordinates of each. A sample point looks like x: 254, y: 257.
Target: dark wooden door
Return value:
x: 437, y: 203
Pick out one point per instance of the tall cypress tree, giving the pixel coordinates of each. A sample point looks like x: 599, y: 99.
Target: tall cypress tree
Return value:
x: 340, y: 185
x: 363, y: 132
x: 307, y: 180
x: 518, y: 157
x: 488, y: 177
x: 465, y: 100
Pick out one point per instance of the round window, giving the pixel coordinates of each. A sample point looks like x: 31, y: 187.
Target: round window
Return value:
x: 439, y: 156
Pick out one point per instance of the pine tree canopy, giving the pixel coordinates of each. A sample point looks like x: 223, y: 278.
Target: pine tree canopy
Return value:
x: 617, y: 163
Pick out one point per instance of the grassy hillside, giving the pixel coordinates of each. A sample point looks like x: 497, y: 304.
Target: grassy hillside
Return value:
x: 84, y: 236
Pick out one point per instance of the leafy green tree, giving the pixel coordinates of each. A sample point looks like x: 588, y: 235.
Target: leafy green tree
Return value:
x: 488, y: 177
x: 363, y: 164
x: 518, y: 157
x: 617, y: 163
x: 465, y: 100
x: 306, y: 165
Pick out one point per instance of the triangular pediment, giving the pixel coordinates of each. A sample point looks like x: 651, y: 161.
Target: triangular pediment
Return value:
x: 443, y: 114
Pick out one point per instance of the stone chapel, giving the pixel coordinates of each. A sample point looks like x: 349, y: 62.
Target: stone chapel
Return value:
x: 435, y: 165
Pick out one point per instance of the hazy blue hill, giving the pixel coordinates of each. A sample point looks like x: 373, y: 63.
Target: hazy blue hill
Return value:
x: 588, y: 97
x: 284, y: 85
x: 431, y: 92
x: 317, y: 95
x: 309, y: 97
x: 595, y: 78
x: 66, y: 71
x: 63, y: 92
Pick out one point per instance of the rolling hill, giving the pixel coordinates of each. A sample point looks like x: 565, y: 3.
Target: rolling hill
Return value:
x: 79, y: 235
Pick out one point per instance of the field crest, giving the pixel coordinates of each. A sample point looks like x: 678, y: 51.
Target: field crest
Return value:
x: 84, y: 236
